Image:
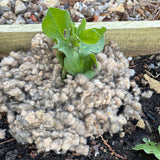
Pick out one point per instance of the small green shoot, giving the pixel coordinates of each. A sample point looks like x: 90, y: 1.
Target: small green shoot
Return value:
x: 150, y: 147
x: 76, y: 45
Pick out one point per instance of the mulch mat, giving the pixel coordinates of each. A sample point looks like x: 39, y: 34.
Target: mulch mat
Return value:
x: 11, y: 150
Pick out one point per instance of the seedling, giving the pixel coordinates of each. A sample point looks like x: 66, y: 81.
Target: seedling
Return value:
x: 76, y: 45
x: 150, y: 147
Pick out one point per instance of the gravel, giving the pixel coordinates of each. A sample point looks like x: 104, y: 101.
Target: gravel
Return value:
x: 105, y: 10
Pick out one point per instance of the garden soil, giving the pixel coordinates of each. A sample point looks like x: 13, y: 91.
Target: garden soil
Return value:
x: 122, y: 145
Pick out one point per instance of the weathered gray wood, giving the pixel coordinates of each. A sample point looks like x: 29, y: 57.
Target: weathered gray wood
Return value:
x: 134, y: 38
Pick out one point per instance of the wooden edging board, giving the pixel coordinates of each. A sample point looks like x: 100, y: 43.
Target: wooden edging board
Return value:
x: 133, y: 37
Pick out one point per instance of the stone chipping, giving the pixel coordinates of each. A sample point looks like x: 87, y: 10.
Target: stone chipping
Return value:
x: 59, y: 115
x: 34, y: 11
x: 2, y: 133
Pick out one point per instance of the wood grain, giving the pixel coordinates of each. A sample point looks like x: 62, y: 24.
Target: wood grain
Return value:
x: 134, y: 37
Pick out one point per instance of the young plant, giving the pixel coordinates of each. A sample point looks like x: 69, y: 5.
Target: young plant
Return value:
x: 76, y: 45
x: 150, y: 147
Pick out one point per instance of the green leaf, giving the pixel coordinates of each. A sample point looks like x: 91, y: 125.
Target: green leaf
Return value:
x: 74, y: 55
x: 94, y: 48
x: 89, y: 36
x: 60, y: 55
x: 93, y: 57
x: 65, y: 48
x: 159, y: 130
x: 73, y: 64
x: 55, y: 23
x: 90, y: 74
x: 149, y: 147
x: 64, y: 72
x: 78, y: 63
x: 74, y: 39
x: 87, y: 62
x: 55, y: 46
x: 101, y: 31
x: 73, y: 29
x: 81, y: 27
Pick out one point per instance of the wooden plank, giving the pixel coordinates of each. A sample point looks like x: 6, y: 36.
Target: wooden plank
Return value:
x: 17, y: 37
x: 134, y: 37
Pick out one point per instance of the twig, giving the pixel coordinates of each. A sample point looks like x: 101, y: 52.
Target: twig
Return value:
x: 149, y: 3
x: 152, y: 74
x: 156, y: 14
x: 7, y: 141
x: 132, y: 66
x: 105, y: 142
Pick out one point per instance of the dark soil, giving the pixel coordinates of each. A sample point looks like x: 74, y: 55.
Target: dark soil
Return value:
x: 11, y: 150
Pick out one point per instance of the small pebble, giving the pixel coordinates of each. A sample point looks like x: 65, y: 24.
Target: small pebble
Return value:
x: 9, y: 15
x: 66, y: 6
x: 88, y: 12
x: 80, y: 6
x: 2, y: 20
x: 147, y: 94
x: 50, y: 3
x: 19, y: 7
x: 9, y: 21
x: 2, y: 133
x: 141, y: 124
x: 130, y: 58
x: 19, y: 20
x: 132, y: 72
x: 26, y: 1
x: 35, y: 8
x: 27, y: 15
x: 151, y: 66
x: 29, y: 21
x: 122, y: 134
x: 5, y: 5
x: 158, y: 58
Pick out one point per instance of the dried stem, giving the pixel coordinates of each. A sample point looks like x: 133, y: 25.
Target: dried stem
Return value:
x: 7, y: 141
x: 105, y: 142
x: 152, y: 74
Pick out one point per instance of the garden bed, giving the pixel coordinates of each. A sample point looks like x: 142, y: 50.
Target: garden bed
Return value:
x: 135, y: 39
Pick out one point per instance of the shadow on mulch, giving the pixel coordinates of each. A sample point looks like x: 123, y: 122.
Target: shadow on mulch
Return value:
x: 123, y: 146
